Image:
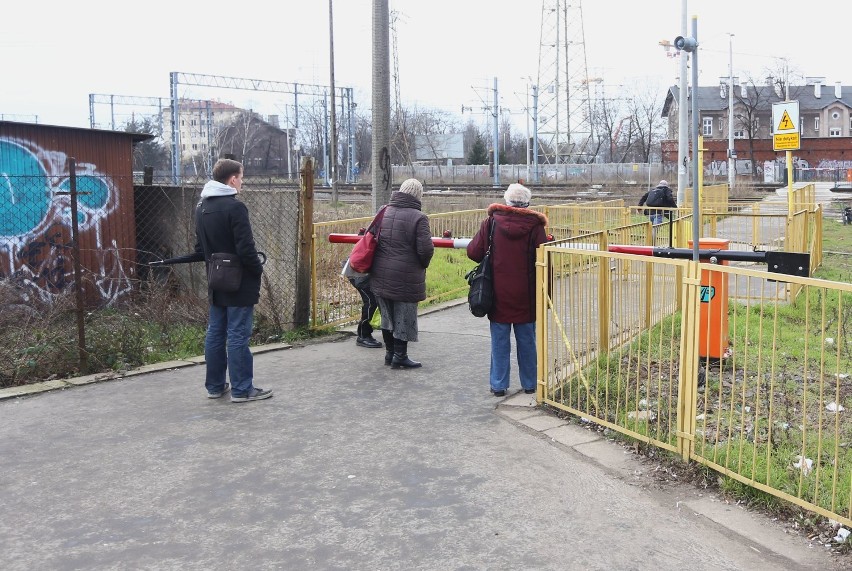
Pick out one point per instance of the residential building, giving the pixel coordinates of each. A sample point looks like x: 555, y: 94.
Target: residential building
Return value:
x: 209, y: 130
x: 825, y: 125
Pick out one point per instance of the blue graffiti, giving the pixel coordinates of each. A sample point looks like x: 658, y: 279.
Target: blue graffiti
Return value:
x: 93, y: 192
x: 25, y: 196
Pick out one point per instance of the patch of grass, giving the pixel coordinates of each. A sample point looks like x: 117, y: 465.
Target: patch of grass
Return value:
x: 445, y: 275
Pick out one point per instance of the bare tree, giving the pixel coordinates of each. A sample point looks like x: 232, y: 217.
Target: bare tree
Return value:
x: 751, y: 101
x: 781, y: 75
x: 645, y: 110
x: 606, y: 118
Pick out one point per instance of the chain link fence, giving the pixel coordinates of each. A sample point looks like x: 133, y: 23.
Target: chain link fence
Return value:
x: 166, y: 228
x: 76, y: 291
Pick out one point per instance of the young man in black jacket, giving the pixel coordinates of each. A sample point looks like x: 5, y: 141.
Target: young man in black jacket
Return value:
x: 222, y: 225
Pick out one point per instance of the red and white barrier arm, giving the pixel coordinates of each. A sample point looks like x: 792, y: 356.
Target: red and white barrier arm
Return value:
x: 457, y: 243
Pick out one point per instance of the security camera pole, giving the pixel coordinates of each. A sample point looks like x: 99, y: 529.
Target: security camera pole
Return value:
x: 690, y: 45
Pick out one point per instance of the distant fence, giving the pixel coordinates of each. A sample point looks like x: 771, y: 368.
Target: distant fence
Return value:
x: 640, y: 174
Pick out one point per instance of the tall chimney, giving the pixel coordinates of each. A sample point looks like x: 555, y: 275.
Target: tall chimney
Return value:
x: 838, y: 90
x: 817, y: 89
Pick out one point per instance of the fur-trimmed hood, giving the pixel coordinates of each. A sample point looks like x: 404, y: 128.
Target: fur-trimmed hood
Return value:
x: 514, y: 211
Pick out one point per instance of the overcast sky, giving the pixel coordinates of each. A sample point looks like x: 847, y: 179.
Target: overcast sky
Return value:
x: 56, y: 53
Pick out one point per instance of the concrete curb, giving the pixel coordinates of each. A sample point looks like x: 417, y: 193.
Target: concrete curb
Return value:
x: 58, y: 384
x: 763, y: 536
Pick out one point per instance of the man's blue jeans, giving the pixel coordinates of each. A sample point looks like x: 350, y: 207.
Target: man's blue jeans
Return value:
x: 501, y: 353
x: 226, y: 347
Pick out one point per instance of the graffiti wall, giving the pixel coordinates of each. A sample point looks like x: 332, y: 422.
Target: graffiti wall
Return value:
x: 36, y: 238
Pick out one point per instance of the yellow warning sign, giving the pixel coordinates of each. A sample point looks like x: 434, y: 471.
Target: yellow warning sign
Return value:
x: 786, y: 123
x: 785, y: 142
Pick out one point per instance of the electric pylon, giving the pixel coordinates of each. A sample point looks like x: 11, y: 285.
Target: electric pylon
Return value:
x: 565, y: 130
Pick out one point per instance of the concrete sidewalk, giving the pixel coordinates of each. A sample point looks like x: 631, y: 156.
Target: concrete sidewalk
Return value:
x: 351, y: 465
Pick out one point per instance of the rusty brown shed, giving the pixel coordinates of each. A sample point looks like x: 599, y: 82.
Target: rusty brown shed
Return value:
x: 35, y: 209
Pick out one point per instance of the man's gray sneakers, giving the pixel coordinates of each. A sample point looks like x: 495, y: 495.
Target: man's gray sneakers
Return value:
x: 219, y: 394
x: 255, y: 394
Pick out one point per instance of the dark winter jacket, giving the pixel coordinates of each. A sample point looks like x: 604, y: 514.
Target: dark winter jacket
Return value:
x: 658, y: 196
x: 404, y: 251
x: 517, y: 234
x: 222, y: 225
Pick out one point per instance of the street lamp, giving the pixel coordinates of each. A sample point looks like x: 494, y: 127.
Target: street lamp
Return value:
x: 690, y: 45
x: 732, y: 155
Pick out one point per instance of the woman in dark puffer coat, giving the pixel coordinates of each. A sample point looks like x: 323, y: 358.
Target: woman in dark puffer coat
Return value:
x: 518, y: 231
x: 398, y: 273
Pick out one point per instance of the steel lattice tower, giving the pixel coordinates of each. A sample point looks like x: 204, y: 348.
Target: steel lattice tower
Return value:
x: 564, y: 103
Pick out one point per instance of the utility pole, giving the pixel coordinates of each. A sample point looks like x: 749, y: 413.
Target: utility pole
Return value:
x: 732, y: 155
x: 332, y: 168
x: 690, y: 45
x: 381, y: 163
x: 535, y: 134
x: 495, y: 111
x: 682, y: 118
x: 696, y: 207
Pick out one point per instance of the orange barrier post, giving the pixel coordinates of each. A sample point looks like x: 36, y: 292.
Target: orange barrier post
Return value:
x: 713, y: 337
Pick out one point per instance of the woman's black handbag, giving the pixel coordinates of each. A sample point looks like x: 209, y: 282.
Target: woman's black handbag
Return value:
x: 480, y: 298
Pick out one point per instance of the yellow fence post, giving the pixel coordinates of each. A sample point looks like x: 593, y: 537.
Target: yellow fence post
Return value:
x: 688, y: 366
x: 604, y: 297
x: 542, y: 293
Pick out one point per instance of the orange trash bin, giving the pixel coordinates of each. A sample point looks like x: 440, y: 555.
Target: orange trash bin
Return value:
x: 713, y: 336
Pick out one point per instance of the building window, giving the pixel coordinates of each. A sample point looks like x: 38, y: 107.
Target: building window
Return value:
x: 834, y: 132
x: 194, y: 147
x: 816, y: 123
x: 183, y: 147
x: 707, y: 126
x: 739, y: 134
x: 835, y: 115
x: 192, y: 122
x: 721, y: 124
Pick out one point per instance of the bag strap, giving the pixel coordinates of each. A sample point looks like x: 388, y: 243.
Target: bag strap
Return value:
x: 205, y: 241
x: 490, y: 235
x: 376, y: 225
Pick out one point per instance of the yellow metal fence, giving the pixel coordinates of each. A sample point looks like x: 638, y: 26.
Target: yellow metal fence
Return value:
x: 629, y: 342
x: 335, y: 302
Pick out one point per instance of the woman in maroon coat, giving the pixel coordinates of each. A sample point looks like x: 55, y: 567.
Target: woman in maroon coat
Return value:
x: 518, y: 231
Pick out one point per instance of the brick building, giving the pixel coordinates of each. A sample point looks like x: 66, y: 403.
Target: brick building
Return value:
x: 825, y: 125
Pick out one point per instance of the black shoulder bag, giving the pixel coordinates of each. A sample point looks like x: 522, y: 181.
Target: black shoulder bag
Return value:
x: 224, y: 270
x: 480, y: 298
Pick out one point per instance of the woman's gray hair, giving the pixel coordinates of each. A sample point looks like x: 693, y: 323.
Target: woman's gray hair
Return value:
x: 517, y: 195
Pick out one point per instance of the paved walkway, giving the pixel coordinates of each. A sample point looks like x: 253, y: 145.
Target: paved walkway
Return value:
x: 350, y: 466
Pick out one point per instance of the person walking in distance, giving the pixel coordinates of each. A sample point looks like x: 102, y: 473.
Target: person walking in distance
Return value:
x: 661, y: 195
x: 398, y: 273
x: 222, y: 225
x: 518, y: 232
